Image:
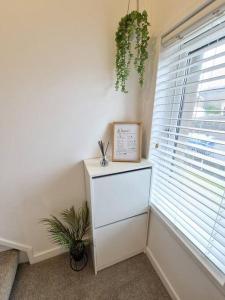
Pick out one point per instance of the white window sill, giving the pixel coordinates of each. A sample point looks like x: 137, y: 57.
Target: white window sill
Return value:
x: 215, y: 275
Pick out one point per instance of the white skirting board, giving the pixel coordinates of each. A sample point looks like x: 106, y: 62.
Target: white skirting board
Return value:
x: 40, y: 256
x: 162, y: 275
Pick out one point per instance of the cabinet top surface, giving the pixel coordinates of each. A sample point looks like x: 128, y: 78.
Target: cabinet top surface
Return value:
x: 94, y: 169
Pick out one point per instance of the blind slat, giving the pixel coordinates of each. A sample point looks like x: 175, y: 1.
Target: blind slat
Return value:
x: 206, y: 186
x: 205, y: 162
x: 207, y: 90
x: 191, y: 189
x: 216, y: 121
x: 188, y: 84
x: 219, y: 68
x: 189, y: 163
x: 188, y: 145
x: 190, y: 65
x: 219, y: 238
x: 207, y: 211
x: 187, y: 102
x: 205, y: 139
x: 193, y: 128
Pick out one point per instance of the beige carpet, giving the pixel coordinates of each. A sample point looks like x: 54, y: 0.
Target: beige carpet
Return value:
x: 133, y: 279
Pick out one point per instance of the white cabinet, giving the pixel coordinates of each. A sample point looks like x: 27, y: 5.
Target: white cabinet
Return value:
x: 120, y: 240
x: 118, y: 198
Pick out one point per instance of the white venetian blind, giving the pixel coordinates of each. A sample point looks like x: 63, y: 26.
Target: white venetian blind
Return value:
x: 188, y: 137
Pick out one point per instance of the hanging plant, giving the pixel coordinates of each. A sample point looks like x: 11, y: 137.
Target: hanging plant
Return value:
x: 131, y: 41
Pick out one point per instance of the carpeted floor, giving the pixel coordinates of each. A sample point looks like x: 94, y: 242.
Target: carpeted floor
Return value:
x: 133, y: 279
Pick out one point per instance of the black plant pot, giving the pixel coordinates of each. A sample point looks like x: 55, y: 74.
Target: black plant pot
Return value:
x: 78, y: 256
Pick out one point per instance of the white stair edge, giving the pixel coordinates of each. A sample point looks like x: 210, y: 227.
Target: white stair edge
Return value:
x: 9, y: 261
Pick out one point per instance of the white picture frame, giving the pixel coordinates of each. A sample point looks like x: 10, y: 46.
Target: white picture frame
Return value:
x: 127, y: 138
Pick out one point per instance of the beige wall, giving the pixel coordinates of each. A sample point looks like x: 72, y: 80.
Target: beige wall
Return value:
x: 57, y: 98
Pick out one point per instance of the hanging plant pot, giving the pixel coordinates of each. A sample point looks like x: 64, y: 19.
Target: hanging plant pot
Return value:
x: 132, y: 39
x: 78, y: 256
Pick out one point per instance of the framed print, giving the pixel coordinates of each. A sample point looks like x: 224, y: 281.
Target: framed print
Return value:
x: 127, y: 141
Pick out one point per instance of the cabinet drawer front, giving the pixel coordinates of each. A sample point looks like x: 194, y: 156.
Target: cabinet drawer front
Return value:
x: 120, y: 196
x: 120, y: 240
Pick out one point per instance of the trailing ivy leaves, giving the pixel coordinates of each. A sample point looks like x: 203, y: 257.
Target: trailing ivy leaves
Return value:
x: 132, y: 28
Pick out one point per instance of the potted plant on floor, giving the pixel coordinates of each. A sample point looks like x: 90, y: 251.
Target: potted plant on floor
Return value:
x: 71, y: 233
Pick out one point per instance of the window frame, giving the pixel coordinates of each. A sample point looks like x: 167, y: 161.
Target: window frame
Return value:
x: 206, y: 265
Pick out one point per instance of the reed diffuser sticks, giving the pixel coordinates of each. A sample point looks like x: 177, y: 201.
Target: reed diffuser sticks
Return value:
x: 103, y: 149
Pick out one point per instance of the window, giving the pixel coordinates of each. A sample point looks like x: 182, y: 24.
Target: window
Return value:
x: 188, y: 138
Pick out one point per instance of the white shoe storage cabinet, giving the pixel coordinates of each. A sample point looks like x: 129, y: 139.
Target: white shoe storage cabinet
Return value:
x: 118, y: 199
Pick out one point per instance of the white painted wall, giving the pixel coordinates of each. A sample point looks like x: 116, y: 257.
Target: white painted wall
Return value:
x: 57, y: 98
x: 185, y: 277
x: 184, y: 274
